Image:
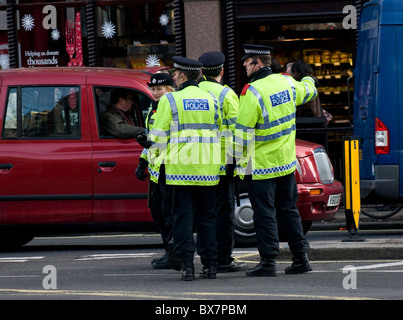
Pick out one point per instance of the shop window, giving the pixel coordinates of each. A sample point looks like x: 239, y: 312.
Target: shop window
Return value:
x: 136, y: 36
x: 42, y: 112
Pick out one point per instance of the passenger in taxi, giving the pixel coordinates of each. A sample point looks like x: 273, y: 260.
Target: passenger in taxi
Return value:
x: 116, y: 119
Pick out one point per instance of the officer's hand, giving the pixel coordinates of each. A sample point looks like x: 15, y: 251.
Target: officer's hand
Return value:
x: 229, y: 170
x: 141, y: 170
x: 143, y: 141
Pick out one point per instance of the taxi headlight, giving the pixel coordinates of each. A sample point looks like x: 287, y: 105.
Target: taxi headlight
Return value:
x: 324, y: 166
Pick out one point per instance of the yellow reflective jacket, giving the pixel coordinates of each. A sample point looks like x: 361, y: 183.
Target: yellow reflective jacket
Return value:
x: 265, y: 128
x: 149, y: 125
x: 228, y: 102
x: 185, y: 137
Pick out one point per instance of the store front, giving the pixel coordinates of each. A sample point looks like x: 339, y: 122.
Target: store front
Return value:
x: 125, y: 34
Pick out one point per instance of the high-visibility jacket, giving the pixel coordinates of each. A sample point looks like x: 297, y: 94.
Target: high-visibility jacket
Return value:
x: 228, y: 102
x: 149, y: 125
x: 185, y: 137
x: 265, y: 128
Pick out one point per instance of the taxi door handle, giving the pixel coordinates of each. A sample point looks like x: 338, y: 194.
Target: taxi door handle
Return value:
x: 106, y: 166
x: 5, y: 167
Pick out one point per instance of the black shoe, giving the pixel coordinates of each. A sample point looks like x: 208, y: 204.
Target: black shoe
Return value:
x: 300, y: 264
x: 231, y: 267
x: 208, y: 272
x: 172, y: 259
x: 266, y: 268
x: 161, y: 263
x: 188, y: 271
x: 159, y: 259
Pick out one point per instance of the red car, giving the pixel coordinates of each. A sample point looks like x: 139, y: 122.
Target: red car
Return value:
x: 59, y: 173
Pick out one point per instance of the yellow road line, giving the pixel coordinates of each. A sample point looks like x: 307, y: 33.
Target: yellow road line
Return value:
x: 180, y: 296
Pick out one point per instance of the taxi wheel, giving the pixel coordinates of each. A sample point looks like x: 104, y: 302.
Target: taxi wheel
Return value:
x: 243, y: 220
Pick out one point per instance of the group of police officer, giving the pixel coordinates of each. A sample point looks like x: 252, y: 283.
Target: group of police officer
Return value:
x: 202, y: 136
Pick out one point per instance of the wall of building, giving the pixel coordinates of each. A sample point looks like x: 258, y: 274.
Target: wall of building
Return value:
x: 202, y: 26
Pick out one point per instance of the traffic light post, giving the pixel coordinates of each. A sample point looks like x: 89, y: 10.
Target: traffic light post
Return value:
x: 352, y: 186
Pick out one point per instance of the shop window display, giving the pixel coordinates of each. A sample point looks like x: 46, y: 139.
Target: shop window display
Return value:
x: 136, y: 36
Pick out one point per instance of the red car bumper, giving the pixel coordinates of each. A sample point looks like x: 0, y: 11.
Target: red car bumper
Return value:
x: 313, y: 200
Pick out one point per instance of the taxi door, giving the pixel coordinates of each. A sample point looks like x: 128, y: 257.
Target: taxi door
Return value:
x: 118, y: 195
x: 45, y: 152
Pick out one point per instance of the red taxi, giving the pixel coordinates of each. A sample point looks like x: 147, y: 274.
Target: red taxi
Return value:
x: 59, y: 173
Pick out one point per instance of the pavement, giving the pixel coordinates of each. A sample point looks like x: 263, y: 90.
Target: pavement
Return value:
x: 350, y: 248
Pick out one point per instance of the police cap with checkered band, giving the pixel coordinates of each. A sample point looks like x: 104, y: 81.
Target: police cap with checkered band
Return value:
x: 212, y: 60
x: 160, y: 79
x: 252, y: 50
x: 186, y: 64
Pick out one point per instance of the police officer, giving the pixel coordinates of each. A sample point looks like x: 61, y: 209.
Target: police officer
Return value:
x: 185, y: 138
x: 265, y: 150
x: 160, y: 195
x: 213, y: 71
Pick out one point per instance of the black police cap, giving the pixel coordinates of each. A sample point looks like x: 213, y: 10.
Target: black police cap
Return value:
x: 160, y: 79
x: 212, y: 60
x: 186, y: 64
x: 255, y: 50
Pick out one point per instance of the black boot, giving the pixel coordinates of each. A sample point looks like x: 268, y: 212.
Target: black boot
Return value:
x: 161, y: 263
x: 188, y: 271
x: 160, y: 258
x: 208, y: 272
x: 300, y: 264
x: 172, y: 259
x: 266, y: 268
x: 231, y: 267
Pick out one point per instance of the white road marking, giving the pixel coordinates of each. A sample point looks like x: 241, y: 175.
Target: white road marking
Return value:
x: 380, y: 265
x: 115, y: 256
x: 19, y: 259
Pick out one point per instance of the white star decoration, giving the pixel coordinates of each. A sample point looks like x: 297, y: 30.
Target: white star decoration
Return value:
x: 152, y: 61
x: 4, y: 61
x: 55, y: 34
x: 108, y: 30
x: 164, y: 20
x: 27, y: 22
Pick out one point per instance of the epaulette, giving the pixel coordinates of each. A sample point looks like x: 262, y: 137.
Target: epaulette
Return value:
x: 245, y: 88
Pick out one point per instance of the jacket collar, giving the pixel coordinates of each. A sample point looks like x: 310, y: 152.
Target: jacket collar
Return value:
x: 187, y: 84
x: 262, y: 73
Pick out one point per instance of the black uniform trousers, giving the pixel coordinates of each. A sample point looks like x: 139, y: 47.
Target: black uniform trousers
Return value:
x: 225, y: 201
x: 195, y: 204
x: 275, y: 199
x: 161, y: 209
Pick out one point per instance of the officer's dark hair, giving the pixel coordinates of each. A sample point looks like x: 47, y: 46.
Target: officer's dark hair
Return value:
x: 211, y: 73
x: 191, y: 75
x: 265, y: 59
x: 118, y: 93
x: 301, y: 69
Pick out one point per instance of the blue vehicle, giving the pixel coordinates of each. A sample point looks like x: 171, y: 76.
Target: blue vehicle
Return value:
x: 378, y: 102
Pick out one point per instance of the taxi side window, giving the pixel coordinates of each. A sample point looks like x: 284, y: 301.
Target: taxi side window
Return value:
x: 42, y: 112
x: 140, y: 102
